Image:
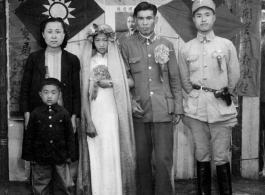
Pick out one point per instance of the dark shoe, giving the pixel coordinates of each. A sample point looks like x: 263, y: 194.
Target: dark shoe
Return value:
x: 224, y: 179
x: 204, y: 178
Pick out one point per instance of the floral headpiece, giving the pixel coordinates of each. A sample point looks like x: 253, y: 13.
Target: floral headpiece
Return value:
x: 101, y: 29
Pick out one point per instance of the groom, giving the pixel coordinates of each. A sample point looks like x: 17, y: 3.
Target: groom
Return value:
x: 157, y: 101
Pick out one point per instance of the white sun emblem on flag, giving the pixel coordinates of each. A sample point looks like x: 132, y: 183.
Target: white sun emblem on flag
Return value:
x: 60, y: 9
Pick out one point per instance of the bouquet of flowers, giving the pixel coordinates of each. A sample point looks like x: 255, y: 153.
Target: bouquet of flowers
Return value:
x: 161, y: 57
x: 100, y: 72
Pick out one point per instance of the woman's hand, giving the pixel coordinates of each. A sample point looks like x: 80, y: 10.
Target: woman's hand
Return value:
x: 130, y: 81
x: 177, y: 119
x: 26, y: 119
x: 91, y: 130
x: 105, y: 83
x: 73, y: 119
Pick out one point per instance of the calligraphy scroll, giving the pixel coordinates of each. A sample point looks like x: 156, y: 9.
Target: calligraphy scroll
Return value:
x: 249, y: 12
x: 21, y: 44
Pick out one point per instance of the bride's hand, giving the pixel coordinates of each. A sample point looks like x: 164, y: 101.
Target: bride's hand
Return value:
x: 91, y: 131
x: 105, y: 83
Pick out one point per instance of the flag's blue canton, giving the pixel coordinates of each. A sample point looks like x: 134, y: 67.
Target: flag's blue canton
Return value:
x: 78, y: 14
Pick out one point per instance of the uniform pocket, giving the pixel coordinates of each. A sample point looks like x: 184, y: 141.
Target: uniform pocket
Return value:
x: 193, y: 62
x: 170, y: 103
x: 224, y: 109
x: 135, y: 65
x: 192, y: 102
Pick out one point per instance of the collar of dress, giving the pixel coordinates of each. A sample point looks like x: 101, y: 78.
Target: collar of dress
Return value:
x: 53, y: 50
x: 105, y: 55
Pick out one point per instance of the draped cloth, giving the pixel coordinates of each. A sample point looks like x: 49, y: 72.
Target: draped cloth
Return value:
x: 126, y: 133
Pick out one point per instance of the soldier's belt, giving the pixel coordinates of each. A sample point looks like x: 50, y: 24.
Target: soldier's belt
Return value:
x: 198, y: 87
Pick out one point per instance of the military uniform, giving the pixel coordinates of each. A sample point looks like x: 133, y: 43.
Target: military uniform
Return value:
x: 209, y: 63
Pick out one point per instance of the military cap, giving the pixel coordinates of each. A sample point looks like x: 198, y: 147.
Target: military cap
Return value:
x: 202, y: 3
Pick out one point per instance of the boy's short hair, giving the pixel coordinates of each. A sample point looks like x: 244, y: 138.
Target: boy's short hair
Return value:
x: 143, y: 6
x: 51, y: 81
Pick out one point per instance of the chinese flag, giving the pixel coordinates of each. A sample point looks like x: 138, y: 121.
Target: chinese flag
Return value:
x: 77, y: 14
x: 178, y: 15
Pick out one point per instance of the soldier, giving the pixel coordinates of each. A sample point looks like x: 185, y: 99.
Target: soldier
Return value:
x: 209, y: 70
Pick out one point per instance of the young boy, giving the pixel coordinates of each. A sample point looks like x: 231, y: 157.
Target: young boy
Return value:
x: 49, y: 141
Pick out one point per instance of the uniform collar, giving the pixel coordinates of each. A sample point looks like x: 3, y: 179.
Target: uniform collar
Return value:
x: 45, y: 107
x: 151, y: 38
x: 209, y: 37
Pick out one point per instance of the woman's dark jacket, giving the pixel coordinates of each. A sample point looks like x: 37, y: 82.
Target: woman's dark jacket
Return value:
x: 34, y: 73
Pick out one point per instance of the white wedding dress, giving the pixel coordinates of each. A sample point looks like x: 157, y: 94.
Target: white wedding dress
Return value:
x: 104, y: 149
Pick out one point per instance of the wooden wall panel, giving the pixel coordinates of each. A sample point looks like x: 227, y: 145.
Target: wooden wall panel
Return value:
x: 250, y: 137
x: 184, y: 161
x: 249, y: 168
x: 4, y: 175
x: 19, y: 169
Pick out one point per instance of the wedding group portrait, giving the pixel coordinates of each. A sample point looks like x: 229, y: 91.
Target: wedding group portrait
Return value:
x: 132, y: 97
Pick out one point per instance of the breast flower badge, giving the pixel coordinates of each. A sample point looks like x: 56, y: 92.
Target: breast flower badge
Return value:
x: 219, y: 56
x: 161, y: 54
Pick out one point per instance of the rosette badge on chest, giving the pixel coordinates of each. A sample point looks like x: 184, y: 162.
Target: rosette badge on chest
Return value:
x: 161, y: 54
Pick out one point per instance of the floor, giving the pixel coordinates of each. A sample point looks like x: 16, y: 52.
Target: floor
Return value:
x: 183, y: 187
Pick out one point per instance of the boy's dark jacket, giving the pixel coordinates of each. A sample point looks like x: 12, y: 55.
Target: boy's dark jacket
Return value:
x: 49, y: 138
x: 34, y: 74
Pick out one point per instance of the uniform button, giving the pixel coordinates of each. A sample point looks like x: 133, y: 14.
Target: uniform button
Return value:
x: 150, y: 79
x: 151, y: 93
x: 50, y: 126
x: 50, y: 117
x: 147, y: 43
x: 150, y: 67
x: 205, y: 65
x: 205, y: 78
x: 51, y: 141
x: 64, y: 84
x: 50, y: 110
x: 204, y: 53
x: 149, y: 55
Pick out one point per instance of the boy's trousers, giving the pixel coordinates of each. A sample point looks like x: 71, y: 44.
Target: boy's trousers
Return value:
x: 45, y: 175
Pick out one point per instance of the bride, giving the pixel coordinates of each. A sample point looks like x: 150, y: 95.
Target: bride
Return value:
x: 106, y: 114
